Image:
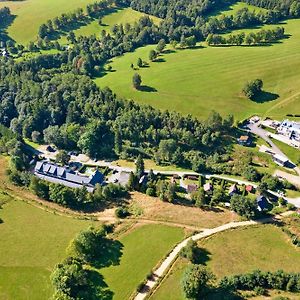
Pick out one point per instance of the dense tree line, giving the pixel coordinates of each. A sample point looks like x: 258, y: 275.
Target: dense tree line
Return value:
x: 198, y: 282
x: 5, y: 15
x: 78, y: 198
x: 278, y: 280
x: 287, y: 8
x: 252, y: 38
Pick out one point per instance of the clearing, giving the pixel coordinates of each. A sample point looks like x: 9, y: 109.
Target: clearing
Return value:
x: 155, y: 209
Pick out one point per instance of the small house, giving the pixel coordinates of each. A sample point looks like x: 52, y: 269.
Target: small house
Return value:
x: 249, y: 188
x: 208, y: 187
x: 262, y: 202
x: 280, y: 160
x: 124, y: 178
x: 244, y: 140
x: 191, y: 188
x: 233, y: 190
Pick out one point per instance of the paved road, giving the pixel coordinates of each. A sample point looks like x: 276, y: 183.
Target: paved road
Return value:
x: 255, y: 129
x: 169, y: 260
x: 85, y: 159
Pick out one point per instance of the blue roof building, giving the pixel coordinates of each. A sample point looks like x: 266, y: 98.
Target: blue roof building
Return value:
x: 63, y: 175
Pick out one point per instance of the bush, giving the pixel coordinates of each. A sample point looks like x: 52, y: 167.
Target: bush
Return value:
x: 150, y: 192
x: 122, y: 212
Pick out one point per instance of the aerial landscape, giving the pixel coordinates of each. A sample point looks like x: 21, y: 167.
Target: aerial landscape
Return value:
x: 149, y: 149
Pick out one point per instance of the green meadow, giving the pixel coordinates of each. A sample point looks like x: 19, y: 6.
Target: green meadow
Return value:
x: 143, y: 249
x: 30, y: 14
x: 237, y: 251
x: 117, y: 16
x: 196, y: 81
x: 32, y: 242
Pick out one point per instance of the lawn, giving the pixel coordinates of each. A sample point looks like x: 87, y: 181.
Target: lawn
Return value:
x: 236, y: 251
x: 265, y: 247
x: 292, y: 153
x: 118, y: 16
x: 30, y: 14
x: 143, y: 248
x: 196, y: 81
x: 32, y: 242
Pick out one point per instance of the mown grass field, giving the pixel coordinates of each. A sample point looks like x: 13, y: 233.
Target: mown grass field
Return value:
x: 233, y: 8
x: 292, y: 153
x: 196, y: 81
x: 118, y: 16
x: 30, y: 14
x: 143, y: 249
x: 32, y: 242
x: 241, y: 250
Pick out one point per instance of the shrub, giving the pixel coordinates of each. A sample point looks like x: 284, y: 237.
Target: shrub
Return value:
x: 122, y: 212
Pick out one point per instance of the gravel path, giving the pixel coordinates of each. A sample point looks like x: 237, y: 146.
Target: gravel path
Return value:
x: 168, y: 261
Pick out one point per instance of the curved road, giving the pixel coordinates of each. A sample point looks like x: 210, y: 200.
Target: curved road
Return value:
x: 169, y: 260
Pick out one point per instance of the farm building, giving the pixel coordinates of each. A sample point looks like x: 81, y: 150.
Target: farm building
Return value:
x: 65, y: 176
x: 290, y: 129
x: 280, y: 160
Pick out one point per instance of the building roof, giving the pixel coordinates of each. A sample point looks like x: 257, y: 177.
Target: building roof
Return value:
x: 262, y: 202
x: 192, y: 188
x: 207, y: 187
x: 244, y: 138
x: 280, y: 158
x: 233, y: 189
x: 124, y: 178
x: 249, y: 188
x: 63, y: 175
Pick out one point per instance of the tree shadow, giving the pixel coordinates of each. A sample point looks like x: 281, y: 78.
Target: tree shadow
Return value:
x: 222, y: 294
x: 98, y: 289
x: 109, y: 254
x: 148, y: 89
x: 202, y: 256
x: 159, y: 60
x: 3, y: 28
x: 168, y: 51
x: 265, y: 97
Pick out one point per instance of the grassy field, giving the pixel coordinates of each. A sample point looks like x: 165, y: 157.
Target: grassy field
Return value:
x: 119, y: 16
x: 241, y: 250
x: 292, y: 153
x: 196, y: 81
x: 143, y: 249
x: 32, y: 242
x: 232, y: 9
x: 30, y: 14
x: 155, y: 209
